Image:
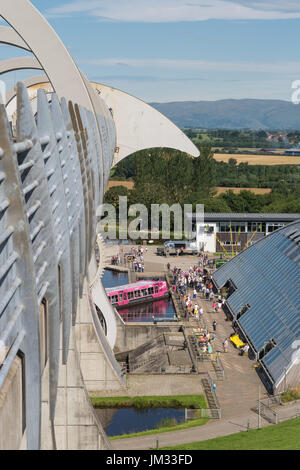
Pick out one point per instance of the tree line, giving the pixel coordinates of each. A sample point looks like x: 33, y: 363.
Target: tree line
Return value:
x: 169, y: 176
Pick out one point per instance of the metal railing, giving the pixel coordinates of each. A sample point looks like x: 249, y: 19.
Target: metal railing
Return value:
x: 266, y: 412
x: 147, y: 362
x: 143, y: 317
x: 187, y: 342
x: 219, y: 369
x: 211, y: 395
x: 197, y: 413
x: 272, y: 400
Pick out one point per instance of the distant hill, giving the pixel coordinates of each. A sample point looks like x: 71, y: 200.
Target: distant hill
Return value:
x: 233, y: 114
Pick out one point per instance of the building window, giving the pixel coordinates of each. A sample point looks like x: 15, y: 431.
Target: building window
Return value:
x: 236, y: 227
x: 224, y: 227
x: 274, y: 226
x: 43, y: 323
x: 21, y: 356
x: 60, y: 293
x: 267, y: 348
x: 101, y: 319
x: 257, y: 227
x: 242, y: 311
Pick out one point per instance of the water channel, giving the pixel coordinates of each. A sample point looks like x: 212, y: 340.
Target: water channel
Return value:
x: 160, y: 310
x: 128, y: 420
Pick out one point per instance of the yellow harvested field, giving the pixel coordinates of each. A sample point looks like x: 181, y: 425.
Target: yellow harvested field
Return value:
x: 258, y: 159
x: 223, y: 189
x: 127, y: 184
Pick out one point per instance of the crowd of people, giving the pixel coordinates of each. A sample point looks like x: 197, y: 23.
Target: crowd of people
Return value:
x: 195, y: 278
x: 133, y: 258
x: 194, y: 285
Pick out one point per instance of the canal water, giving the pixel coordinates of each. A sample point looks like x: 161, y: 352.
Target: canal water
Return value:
x: 114, y: 279
x: 129, y: 420
x: 160, y: 310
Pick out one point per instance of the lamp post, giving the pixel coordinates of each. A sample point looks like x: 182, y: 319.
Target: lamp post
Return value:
x: 285, y: 379
x: 259, y: 417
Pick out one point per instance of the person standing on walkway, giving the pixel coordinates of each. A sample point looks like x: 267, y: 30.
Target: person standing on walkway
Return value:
x: 207, y: 293
x: 214, y: 325
x: 225, y: 345
x: 195, y: 294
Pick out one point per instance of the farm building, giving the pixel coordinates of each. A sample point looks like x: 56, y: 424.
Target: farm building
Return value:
x: 264, y: 303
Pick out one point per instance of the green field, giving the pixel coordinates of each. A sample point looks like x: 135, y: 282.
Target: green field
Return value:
x: 282, y: 436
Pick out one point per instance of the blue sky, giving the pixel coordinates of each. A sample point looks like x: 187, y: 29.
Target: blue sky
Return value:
x: 175, y: 50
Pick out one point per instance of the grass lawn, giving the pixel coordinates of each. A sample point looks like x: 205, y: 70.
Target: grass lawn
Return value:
x: 173, y: 401
x: 189, y: 424
x: 282, y: 436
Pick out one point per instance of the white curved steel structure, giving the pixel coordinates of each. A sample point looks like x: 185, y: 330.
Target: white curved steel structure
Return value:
x: 53, y: 174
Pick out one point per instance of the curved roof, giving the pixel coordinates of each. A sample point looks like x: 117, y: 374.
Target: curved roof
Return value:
x: 267, y: 279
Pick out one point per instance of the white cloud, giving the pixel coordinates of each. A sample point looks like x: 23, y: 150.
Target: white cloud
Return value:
x: 271, y: 5
x: 158, y: 11
x: 201, y: 65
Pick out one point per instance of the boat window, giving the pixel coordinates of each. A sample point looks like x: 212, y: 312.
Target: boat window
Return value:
x: 137, y: 293
x: 150, y: 290
x: 156, y: 289
x: 114, y: 299
x: 125, y: 296
x: 120, y: 297
x: 130, y: 295
x: 144, y: 291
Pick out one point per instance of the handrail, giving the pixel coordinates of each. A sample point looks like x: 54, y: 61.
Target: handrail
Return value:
x: 213, y: 391
x: 220, y: 365
x: 205, y: 413
x: 262, y: 408
x: 189, y: 350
